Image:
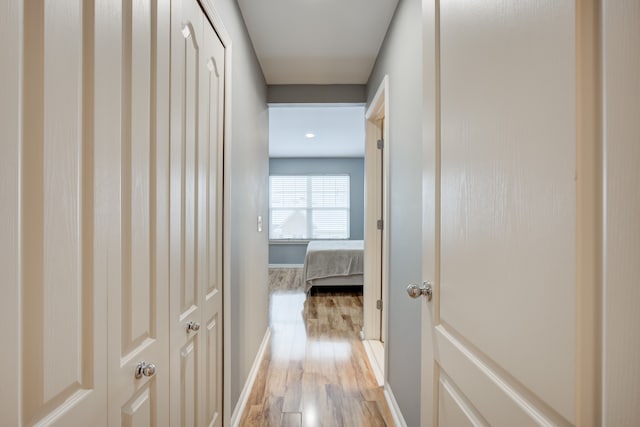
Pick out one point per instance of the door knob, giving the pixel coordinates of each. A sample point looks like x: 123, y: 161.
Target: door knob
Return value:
x: 193, y: 326
x: 146, y: 369
x: 416, y: 291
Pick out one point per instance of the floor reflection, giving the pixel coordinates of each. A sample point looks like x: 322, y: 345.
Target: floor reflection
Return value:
x: 288, y: 334
x: 316, y: 372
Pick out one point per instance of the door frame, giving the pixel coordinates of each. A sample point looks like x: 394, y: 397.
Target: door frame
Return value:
x: 376, y: 244
x: 215, y: 19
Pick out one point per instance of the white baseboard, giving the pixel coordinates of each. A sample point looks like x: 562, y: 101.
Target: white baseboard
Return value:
x: 398, y: 419
x: 248, y: 385
x: 375, y: 354
x: 286, y: 265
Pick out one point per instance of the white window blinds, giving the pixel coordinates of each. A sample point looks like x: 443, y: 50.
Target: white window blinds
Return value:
x: 309, y: 207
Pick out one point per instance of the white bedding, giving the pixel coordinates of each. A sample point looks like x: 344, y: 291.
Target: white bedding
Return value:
x: 333, y: 258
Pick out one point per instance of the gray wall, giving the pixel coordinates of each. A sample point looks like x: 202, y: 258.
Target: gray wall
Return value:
x: 291, y: 94
x: 249, y: 173
x: 401, y: 58
x: 280, y: 253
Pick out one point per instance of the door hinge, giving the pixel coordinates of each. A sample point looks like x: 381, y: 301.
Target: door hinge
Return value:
x: 379, y: 304
x: 380, y: 144
x: 380, y: 224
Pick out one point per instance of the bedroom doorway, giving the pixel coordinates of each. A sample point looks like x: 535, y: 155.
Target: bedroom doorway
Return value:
x: 315, y: 142
x: 316, y: 178
x: 376, y: 231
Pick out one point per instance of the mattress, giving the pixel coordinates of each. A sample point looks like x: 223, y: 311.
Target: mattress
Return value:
x: 333, y: 259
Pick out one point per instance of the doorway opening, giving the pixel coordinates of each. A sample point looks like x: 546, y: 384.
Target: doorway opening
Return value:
x: 316, y: 185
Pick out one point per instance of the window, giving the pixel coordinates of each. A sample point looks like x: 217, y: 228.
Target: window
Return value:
x: 308, y: 207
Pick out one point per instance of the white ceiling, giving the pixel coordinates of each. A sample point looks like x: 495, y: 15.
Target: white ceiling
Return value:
x: 338, y: 130
x: 317, y: 41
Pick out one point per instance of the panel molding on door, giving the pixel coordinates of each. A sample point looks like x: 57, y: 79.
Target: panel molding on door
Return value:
x: 482, y: 383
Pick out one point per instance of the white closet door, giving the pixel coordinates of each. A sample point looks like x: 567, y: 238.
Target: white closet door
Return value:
x: 83, y: 185
x: 197, y: 65
x: 56, y: 294
x: 138, y: 212
x: 210, y: 223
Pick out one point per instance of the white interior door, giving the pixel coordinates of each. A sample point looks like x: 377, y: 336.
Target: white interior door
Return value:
x: 197, y: 65
x: 500, y: 336
x: 138, y: 289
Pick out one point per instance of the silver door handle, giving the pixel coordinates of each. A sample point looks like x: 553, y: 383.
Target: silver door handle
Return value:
x: 146, y: 369
x: 193, y: 326
x: 416, y: 291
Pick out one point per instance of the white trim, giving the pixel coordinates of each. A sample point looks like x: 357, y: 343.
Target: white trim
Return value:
x: 286, y: 265
x: 248, y: 385
x: 375, y: 107
x: 396, y: 414
x: 375, y: 354
x: 375, y: 241
x: 289, y: 242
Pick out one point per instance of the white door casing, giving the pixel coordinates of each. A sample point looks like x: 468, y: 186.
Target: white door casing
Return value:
x: 197, y: 97
x: 376, y: 201
x: 503, y: 179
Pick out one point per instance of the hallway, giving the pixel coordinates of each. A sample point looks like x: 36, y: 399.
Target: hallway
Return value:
x: 315, y: 372
x: 136, y: 213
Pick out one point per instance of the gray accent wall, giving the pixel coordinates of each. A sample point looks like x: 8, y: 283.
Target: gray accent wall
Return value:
x: 248, y: 149
x: 293, y: 253
x: 401, y: 59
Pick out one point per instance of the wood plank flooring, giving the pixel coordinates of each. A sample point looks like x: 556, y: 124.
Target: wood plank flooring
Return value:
x: 315, y: 372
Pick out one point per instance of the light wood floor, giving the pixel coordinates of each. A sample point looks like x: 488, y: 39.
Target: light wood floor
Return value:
x: 316, y: 371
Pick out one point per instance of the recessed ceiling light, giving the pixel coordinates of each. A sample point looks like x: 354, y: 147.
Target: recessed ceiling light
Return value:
x: 310, y: 135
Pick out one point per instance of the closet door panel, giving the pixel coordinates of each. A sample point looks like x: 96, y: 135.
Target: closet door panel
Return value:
x: 185, y: 222
x: 197, y: 88
x: 138, y: 295
x: 62, y: 325
x: 210, y: 217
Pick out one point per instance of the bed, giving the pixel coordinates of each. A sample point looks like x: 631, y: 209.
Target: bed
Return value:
x: 333, y: 263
